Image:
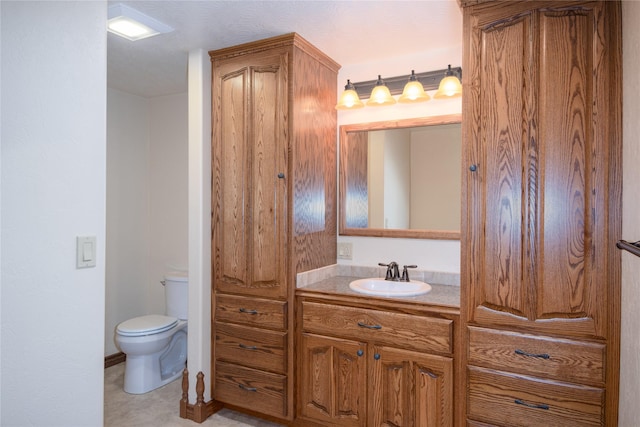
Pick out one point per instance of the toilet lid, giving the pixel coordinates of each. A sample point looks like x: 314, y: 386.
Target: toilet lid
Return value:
x: 146, y: 325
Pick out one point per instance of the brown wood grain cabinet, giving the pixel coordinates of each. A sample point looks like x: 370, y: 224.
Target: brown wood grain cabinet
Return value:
x: 374, y: 366
x: 273, y: 210
x: 541, y: 212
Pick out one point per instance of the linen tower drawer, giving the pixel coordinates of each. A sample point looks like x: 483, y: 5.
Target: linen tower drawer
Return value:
x: 258, y: 348
x: 252, y: 389
x: 251, y: 311
x: 554, y: 358
x: 505, y: 399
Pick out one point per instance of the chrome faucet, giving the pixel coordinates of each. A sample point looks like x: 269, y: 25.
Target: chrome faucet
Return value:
x: 393, y: 272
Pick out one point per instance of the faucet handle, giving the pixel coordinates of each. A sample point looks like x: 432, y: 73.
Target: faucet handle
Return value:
x: 405, y: 273
x: 390, y: 266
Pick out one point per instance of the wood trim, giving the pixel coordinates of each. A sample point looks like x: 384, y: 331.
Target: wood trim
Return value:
x: 200, y: 410
x: 114, y: 359
x: 286, y: 40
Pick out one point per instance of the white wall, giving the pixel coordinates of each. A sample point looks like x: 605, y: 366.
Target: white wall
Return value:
x: 435, y: 255
x: 127, y: 210
x: 53, y: 105
x: 147, y: 225
x: 629, y: 414
x: 168, y: 197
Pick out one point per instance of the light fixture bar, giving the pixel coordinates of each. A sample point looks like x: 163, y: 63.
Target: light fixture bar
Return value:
x: 429, y: 79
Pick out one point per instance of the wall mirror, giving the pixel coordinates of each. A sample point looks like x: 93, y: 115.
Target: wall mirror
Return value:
x: 401, y: 178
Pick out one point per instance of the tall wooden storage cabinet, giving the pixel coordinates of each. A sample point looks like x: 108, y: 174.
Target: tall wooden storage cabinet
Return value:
x: 542, y: 205
x: 274, y: 209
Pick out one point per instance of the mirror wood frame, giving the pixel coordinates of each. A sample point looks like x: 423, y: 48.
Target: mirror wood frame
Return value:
x: 345, y: 130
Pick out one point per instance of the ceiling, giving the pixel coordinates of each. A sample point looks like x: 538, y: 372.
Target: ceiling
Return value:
x: 349, y: 31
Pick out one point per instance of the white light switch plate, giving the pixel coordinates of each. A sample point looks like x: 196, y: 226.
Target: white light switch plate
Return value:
x: 345, y: 250
x: 85, y: 251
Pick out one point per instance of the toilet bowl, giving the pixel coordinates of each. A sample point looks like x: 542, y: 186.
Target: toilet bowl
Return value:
x: 156, y: 345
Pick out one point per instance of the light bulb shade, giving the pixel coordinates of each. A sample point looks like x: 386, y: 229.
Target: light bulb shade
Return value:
x: 450, y: 86
x: 413, y: 92
x: 380, y: 95
x: 349, y: 99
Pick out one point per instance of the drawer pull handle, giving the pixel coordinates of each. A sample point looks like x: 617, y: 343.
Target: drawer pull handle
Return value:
x: 244, y: 387
x: 539, y: 356
x: 244, y: 310
x: 531, y: 405
x: 364, y: 325
x: 247, y: 347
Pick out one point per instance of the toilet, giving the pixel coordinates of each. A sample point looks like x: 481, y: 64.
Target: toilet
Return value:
x: 156, y: 345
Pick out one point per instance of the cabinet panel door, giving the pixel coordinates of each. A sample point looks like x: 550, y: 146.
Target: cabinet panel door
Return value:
x: 333, y: 385
x: 249, y: 149
x: 539, y: 202
x: 409, y: 389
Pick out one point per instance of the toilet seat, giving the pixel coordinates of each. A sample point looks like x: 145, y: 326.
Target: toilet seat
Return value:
x: 146, y: 325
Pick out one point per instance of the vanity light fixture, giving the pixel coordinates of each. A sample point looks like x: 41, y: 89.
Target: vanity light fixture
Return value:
x: 349, y: 98
x: 133, y: 25
x: 409, y: 86
x: 380, y: 94
x: 450, y: 86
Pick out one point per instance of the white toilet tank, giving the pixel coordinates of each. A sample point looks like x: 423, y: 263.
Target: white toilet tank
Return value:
x: 176, y: 294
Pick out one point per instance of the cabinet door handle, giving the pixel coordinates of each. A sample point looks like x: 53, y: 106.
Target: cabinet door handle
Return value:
x: 376, y: 356
x: 473, y: 168
x: 281, y: 175
x: 539, y: 356
x: 247, y: 347
x: 244, y: 310
x: 359, y: 353
x: 531, y: 405
x: 364, y: 325
x: 244, y: 387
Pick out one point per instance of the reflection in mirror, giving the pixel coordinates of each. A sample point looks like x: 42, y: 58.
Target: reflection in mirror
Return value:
x: 401, y: 178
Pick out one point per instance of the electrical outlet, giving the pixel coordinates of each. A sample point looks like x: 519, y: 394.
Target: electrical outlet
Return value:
x: 345, y: 250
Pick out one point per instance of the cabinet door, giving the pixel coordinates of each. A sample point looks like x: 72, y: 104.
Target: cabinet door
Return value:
x: 249, y: 152
x: 332, y: 382
x: 409, y: 389
x: 540, y: 202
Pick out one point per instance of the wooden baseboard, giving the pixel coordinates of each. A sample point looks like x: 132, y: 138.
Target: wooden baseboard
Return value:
x: 114, y: 359
x: 201, y: 410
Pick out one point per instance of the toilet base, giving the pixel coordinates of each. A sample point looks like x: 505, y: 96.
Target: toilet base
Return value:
x: 140, y: 377
x: 144, y: 373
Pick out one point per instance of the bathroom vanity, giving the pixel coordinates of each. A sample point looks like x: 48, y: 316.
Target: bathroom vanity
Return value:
x: 376, y: 361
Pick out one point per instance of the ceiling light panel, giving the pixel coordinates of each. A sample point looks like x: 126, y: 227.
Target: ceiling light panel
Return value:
x: 133, y: 25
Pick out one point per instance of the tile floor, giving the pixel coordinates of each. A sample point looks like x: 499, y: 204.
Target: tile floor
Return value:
x: 160, y: 407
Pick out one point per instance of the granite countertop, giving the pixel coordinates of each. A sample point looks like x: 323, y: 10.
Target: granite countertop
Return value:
x: 441, y: 295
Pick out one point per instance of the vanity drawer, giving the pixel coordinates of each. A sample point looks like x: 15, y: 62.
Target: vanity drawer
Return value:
x: 251, y: 311
x: 252, y: 389
x: 258, y: 348
x: 504, y: 399
x: 554, y: 358
x: 413, y: 332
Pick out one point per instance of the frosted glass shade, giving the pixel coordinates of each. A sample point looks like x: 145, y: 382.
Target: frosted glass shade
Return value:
x: 450, y: 87
x: 380, y: 96
x: 413, y: 92
x: 349, y: 100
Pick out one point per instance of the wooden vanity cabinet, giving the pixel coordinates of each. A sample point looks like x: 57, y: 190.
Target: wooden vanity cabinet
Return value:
x: 374, y: 366
x: 273, y: 210
x: 541, y: 212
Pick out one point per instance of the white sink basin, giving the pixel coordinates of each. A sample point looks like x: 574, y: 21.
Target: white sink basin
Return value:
x: 389, y: 288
